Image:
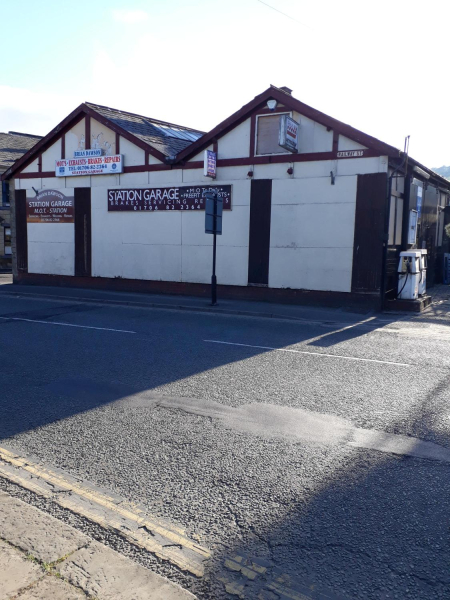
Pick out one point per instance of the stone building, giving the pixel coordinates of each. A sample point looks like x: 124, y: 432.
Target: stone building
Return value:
x: 13, y: 145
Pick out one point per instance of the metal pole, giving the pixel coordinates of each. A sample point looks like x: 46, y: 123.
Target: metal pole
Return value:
x: 214, y: 278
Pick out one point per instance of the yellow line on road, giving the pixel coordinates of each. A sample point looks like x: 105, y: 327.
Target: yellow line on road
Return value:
x: 177, y: 543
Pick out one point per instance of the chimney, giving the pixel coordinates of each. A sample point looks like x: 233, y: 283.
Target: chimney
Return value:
x: 286, y: 89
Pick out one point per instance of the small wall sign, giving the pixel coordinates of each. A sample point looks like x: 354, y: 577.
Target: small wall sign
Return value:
x: 170, y: 198
x: 288, y: 134
x: 350, y: 153
x: 94, y: 165
x: 210, y: 164
x: 50, y: 206
x: 88, y: 153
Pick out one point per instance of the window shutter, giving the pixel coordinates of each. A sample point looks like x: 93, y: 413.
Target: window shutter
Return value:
x: 267, y: 135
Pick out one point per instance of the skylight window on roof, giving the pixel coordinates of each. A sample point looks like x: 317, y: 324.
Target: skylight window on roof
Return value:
x: 180, y: 134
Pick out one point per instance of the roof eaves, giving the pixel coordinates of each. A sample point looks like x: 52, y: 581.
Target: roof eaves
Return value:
x: 44, y: 143
x: 288, y: 100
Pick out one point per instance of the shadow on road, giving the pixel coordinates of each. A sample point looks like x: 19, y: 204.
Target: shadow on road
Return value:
x: 373, y: 526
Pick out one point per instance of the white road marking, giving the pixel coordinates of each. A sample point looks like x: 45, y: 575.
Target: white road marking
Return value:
x: 66, y: 324
x: 321, y: 354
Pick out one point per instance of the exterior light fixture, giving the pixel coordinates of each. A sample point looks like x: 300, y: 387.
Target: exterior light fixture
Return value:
x: 250, y: 174
x: 272, y: 104
x: 421, y: 172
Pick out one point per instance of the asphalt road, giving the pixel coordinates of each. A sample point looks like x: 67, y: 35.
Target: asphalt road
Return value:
x: 271, y: 446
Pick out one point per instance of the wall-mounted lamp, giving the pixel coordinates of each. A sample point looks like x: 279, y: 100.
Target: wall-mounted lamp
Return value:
x: 272, y: 104
x: 290, y: 171
x: 421, y: 172
x: 250, y: 174
x: 333, y: 177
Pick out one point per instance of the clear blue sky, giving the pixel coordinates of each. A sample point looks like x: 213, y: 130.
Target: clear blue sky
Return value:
x: 380, y: 66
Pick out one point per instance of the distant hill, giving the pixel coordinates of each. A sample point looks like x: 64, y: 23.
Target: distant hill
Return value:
x: 443, y: 171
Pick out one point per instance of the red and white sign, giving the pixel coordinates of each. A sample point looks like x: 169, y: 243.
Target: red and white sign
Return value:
x: 288, y: 136
x: 98, y: 165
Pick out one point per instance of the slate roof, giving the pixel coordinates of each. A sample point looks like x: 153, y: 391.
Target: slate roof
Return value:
x: 13, y: 145
x: 168, y: 138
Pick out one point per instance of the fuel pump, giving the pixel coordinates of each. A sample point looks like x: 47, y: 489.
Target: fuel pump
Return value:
x: 409, y: 275
x: 423, y: 273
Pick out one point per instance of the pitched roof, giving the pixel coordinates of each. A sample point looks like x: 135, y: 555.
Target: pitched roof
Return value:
x: 13, y: 145
x: 168, y: 138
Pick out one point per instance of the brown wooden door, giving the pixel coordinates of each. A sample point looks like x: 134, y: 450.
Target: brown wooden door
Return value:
x: 369, y: 231
x: 83, y: 251
x: 259, y: 237
x: 21, y: 230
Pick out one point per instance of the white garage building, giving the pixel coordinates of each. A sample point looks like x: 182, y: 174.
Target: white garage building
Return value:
x: 115, y: 200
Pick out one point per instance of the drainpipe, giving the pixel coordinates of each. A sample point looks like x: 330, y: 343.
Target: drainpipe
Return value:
x: 403, y: 164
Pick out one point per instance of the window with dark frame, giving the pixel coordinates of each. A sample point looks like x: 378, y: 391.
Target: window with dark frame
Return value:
x: 5, y: 194
x: 7, y: 240
x: 267, y: 135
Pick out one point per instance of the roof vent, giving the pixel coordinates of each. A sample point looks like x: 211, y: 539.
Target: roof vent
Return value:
x: 286, y: 89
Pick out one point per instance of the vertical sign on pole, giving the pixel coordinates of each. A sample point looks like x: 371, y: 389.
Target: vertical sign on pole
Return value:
x: 213, y: 225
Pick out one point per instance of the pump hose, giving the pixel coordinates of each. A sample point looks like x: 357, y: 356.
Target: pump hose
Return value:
x: 406, y: 280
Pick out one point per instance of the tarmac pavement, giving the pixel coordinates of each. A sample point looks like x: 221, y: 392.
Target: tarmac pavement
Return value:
x: 308, y: 456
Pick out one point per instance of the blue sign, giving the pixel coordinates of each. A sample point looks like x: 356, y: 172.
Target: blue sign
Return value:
x: 419, y: 201
x: 210, y: 164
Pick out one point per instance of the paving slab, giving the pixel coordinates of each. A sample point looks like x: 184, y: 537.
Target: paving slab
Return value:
x: 106, y: 575
x: 36, y: 532
x: 16, y: 572
x: 52, y: 588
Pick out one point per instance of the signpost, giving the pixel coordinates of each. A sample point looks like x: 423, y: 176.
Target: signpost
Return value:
x: 213, y: 225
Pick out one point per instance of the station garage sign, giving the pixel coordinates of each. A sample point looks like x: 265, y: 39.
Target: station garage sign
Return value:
x: 50, y: 206
x: 168, y: 198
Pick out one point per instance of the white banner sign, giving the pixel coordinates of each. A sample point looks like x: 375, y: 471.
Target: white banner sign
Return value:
x: 101, y: 165
x: 288, y: 135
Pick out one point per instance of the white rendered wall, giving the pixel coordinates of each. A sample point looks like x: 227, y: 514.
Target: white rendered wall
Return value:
x: 103, y: 137
x: 133, y: 155
x: 50, y: 156
x: 347, y: 144
x: 169, y: 246
x: 313, y: 137
x: 75, y: 138
x: 51, y: 246
x: 312, y: 231
x: 236, y: 143
x: 33, y: 167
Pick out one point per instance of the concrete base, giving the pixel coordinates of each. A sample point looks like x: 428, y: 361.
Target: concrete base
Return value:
x: 346, y: 300
x: 418, y: 305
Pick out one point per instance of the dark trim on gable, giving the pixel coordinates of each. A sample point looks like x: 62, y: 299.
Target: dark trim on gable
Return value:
x: 123, y: 132
x: 72, y: 119
x: 335, y: 141
x: 63, y: 146
x: 252, y: 135
x: 117, y: 143
x: 45, y: 143
x: 228, y: 162
x: 87, y: 133
x: 290, y: 103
